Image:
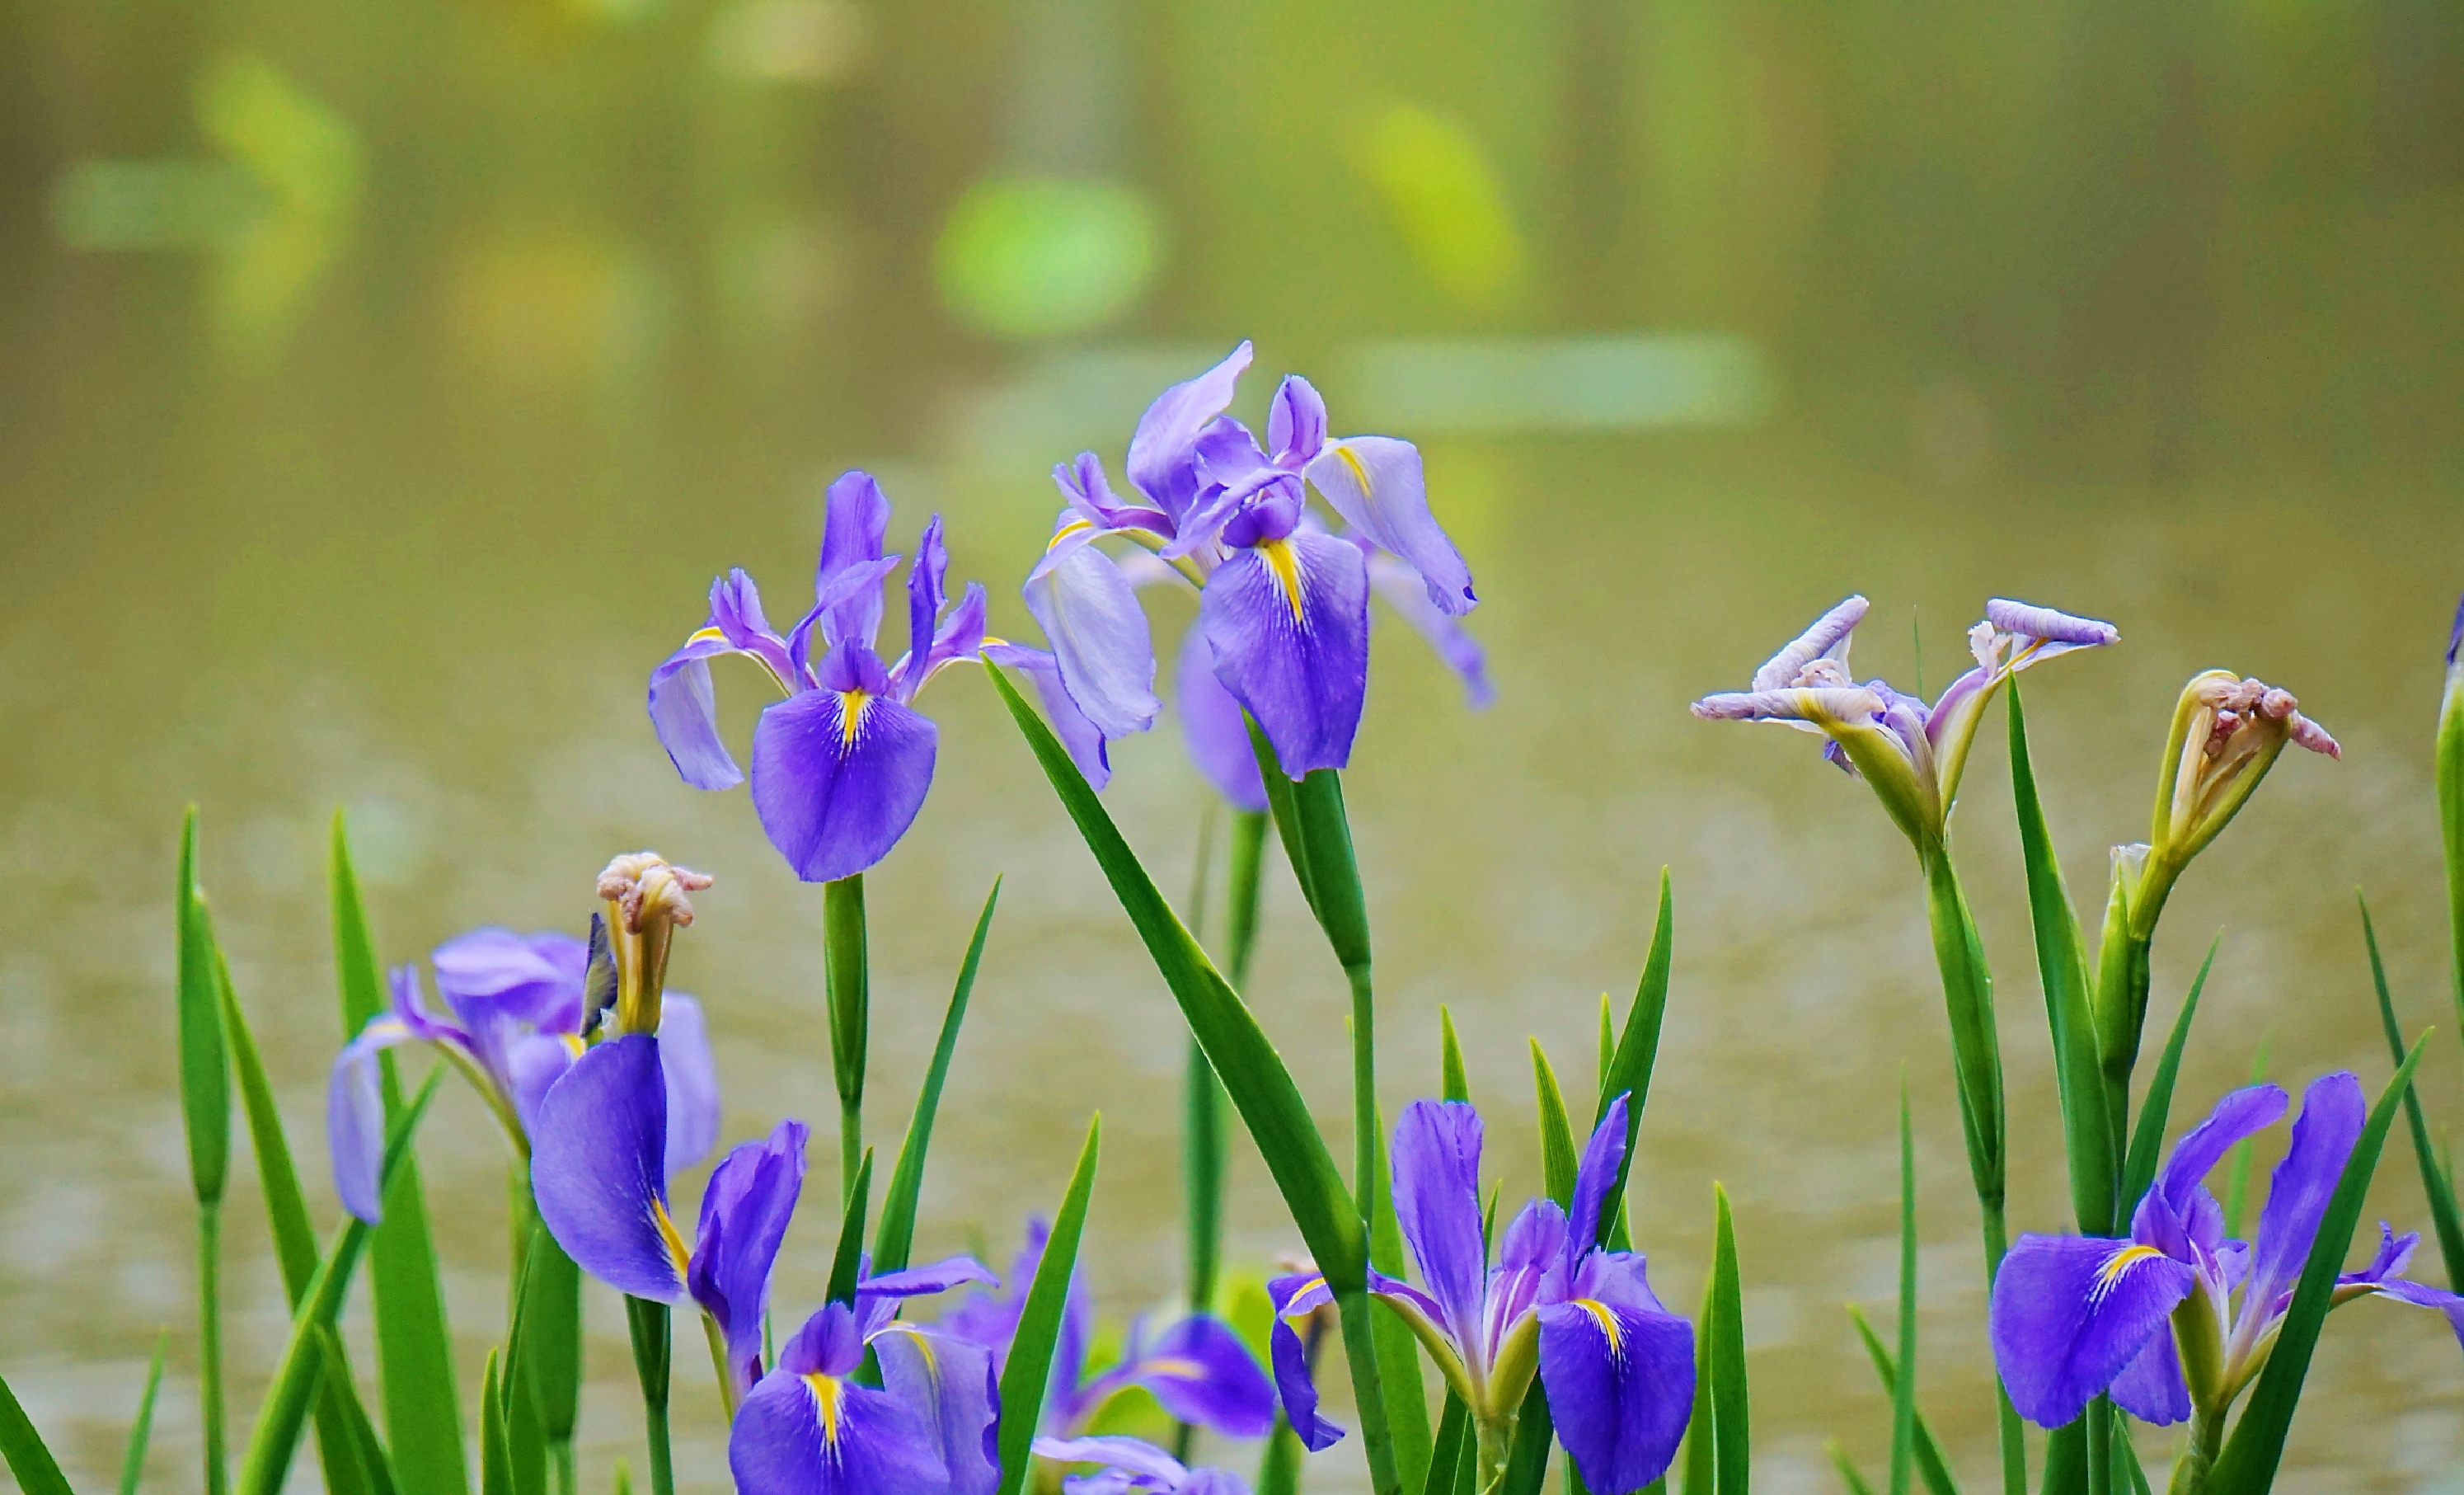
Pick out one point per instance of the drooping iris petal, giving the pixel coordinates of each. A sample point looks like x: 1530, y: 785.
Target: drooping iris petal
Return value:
x: 934, y: 1277
x: 1595, y: 1176
x: 1090, y: 616
x: 1130, y: 1464
x: 534, y: 978
x: 2058, y: 631
x: 598, y: 1168
x: 1081, y: 737
x: 533, y: 1064
x: 1827, y: 639
x: 1289, y: 625
x: 2333, y: 1112
x: 856, y: 519
x: 2150, y: 1387
x: 684, y: 712
x: 1212, y: 727
x: 839, y: 772
x: 1435, y: 1165
x: 1400, y: 586
x: 745, y: 1213
x: 1296, y: 1296
x: 2421, y: 1295
x: 951, y: 1383
x: 1159, y: 462
x: 355, y: 1119
x: 1204, y: 1375
x: 692, y: 1083
x: 1296, y: 423
x: 1621, y: 1388
x: 2069, y: 1312
x: 1375, y: 482
x: 820, y: 1434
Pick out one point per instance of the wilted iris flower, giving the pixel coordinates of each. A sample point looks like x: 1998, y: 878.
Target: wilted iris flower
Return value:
x: 516, y: 1019
x: 1133, y: 1467
x: 1196, y: 1367
x: 840, y: 765
x: 601, y: 1179
x: 1912, y: 753
x: 2154, y: 1318
x: 1618, y: 1366
x: 1283, y: 627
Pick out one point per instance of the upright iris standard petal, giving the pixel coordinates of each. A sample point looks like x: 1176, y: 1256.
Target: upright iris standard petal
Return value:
x: 1621, y: 1383
x: 1159, y: 451
x: 1596, y: 1174
x: 745, y: 1213
x: 355, y: 1119
x: 1297, y: 1297
x: 1211, y: 723
x: 1288, y: 623
x: 952, y: 1383
x: 857, y: 517
x: 692, y: 1083
x: 684, y: 712
x: 1375, y: 482
x: 2240, y: 1114
x: 925, y: 595
x: 839, y: 772
x: 2069, y: 1312
x: 1296, y: 423
x: 1090, y: 613
x: 599, y: 1170
x: 1437, y: 1202
x: 2333, y: 1113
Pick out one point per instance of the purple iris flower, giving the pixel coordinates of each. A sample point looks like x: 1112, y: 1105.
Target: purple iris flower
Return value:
x: 840, y: 766
x: 1196, y: 1367
x: 515, y: 1025
x: 1133, y: 1466
x: 1283, y: 627
x: 1618, y: 1366
x: 600, y: 1178
x: 2073, y: 1316
x: 808, y: 1428
x: 1912, y: 753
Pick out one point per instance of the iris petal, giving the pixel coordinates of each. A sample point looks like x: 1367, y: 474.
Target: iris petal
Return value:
x: 1288, y: 624
x: 692, y: 1083
x: 1159, y: 462
x: 2069, y: 1314
x: 828, y: 1436
x: 1437, y: 1201
x: 1376, y: 483
x: 684, y: 712
x: 1620, y: 1385
x: 1213, y: 728
x: 951, y: 1383
x: 1090, y: 616
x: 1295, y: 1381
x: 838, y: 777
x: 1081, y: 737
x: 2333, y: 1112
x: 745, y: 1213
x: 598, y: 1168
x: 1204, y: 1375
x: 2150, y: 1387
x: 355, y: 1119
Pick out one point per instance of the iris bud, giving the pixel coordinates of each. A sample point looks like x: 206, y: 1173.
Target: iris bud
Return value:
x: 646, y: 906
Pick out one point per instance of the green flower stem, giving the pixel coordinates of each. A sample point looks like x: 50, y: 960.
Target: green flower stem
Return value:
x: 210, y: 1340
x: 847, y: 976
x: 652, y: 1347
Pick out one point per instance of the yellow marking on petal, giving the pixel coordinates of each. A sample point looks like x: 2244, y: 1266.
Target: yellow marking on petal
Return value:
x: 1360, y: 473
x: 573, y: 1044
x: 703, y: 636
x: 851, y: 704
x: 2120, y: 1262
x: 1174, y: 1365
x: 1075, y: 527
x: 828, y: 1393
x: 1285, y: 563
x: 674, y: 1242
x: 1608, y: 1322
x: 1304, y: 1290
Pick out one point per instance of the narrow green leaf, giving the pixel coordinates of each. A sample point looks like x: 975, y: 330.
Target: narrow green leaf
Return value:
x: 1282, y: 809
x: 2148, y: 1141
x: 2433, y: 1178
x: 1732, y: 1421
x: 1240, y: 899
x: 414, y: 1349
x: 295, y: 1240
x: 1932, y: 1465
x: 1452, y: 1449
x: 284, y: 1411
x: 38, y: 1472
x: 140, y: 1429
x: 1967, y: 1000
x: 1028, y: 1373
x: 895, y: 1237
x: 1526, y: 1457
x: 1279, y: 1468
x: 2248, y: 1464
x: 2244, y: 1154
x: 1702, y: 1435
x: 1848, y: 1475
x: 623, y: 1479
x: 2088, y: 1132
x: 1557, y: 1156
x: 651, y: 1328
x: 1904, y: 1389
x: 1454, y: 1084
x: 2450, y: 773
x: 2127, y: 1458
x: 1608, y: 1045
x: 525, y: 1441
x: 1253, y: 1073
x: 548, y: 1356
x: 847, y: 1265
x: 1341, y: 905
x: 495, y: 1457
x: 1638, y: 1052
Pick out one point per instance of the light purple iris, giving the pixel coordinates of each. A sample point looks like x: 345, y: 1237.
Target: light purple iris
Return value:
x: 1282, y: 626
x: 2073, y: 1316
x: 515, y: 1005
x: 1133, y: 1466
x: 1197, y: 1367
x: 840, y: 766
x: 1618, y: 1366
x: 1912, y: 753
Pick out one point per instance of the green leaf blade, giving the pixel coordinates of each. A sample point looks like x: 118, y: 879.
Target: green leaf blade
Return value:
x: 895, y: 1237
x: 28, y: 1457
x: 2148, y: 1139
x: 140, y: 1428
x: 1028, y: 1373
x: 1731, y: 1410
x: 2434, y: 1186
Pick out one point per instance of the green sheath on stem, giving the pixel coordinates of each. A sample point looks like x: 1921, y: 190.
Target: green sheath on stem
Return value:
x: 846, y: 973
x: 652, y: 1331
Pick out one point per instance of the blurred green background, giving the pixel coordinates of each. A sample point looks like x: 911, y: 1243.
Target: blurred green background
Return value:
x: 380, y: 386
